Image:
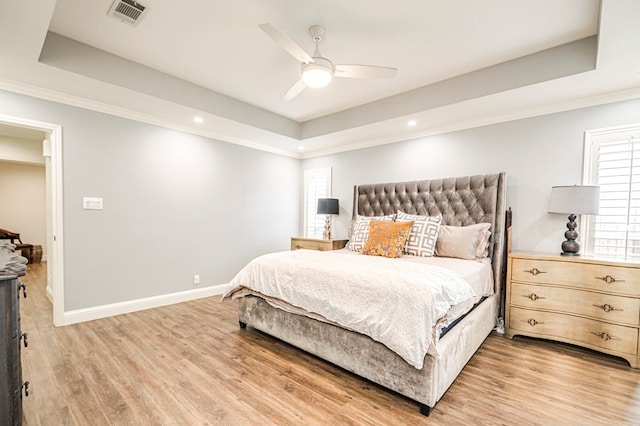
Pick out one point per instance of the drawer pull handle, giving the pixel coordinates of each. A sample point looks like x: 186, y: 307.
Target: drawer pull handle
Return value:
x: 609, y: 279
x: 22, y: 287
x: 532, y: 322
x: 535, y: 271
x: 607, y: 308
x: 534, y: 297
x: 605, y: 336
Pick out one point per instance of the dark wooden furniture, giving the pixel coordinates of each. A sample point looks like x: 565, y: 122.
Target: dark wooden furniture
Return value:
x: 11, y: 339
x: 26, y: 250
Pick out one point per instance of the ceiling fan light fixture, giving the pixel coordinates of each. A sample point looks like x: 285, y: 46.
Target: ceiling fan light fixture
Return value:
x: 317, y: 74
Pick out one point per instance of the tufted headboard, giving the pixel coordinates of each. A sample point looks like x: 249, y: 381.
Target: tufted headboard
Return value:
x: 462, y: 201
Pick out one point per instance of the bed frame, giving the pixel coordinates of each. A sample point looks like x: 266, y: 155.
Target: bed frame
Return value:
x: 461, y: 201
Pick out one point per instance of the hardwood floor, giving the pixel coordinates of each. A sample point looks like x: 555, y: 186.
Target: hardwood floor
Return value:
x: 190, y: 364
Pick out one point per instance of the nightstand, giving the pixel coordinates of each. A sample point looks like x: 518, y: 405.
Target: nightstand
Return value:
x: 586, y: 301
x: 317, y: 244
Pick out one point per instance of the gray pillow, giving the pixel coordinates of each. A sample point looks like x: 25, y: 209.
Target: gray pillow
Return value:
x: 464, y: 242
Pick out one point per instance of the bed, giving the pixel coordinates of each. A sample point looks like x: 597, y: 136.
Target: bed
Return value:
x: 460, y: 201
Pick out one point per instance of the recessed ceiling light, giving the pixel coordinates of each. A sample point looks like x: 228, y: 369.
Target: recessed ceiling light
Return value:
x: 412, y: 123
x: 198, y: 119
x: 301, y: 148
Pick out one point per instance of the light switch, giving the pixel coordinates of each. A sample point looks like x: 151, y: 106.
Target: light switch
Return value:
x: 92, y: 203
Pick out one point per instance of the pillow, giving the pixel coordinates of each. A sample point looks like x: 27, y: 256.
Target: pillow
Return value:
x: 386, y: 238
x: 423, y: 235
x: 464, y: 242
x: 360, y: 230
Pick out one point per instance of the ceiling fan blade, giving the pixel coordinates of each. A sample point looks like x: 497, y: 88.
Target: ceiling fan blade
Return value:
x: 295, y: 90
x: 286, y: 43
x: 363, y: 71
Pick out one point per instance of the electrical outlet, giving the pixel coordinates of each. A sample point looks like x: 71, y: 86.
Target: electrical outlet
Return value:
x: 196, y: 279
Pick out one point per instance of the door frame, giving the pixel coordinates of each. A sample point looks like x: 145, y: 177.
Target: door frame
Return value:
x: 55, y: 234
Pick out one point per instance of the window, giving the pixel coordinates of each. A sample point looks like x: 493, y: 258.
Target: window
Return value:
x: 613, y: 162
x: 317, y: 184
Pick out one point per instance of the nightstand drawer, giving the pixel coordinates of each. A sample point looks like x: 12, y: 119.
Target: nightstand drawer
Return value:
x: 571, y: 329
x: 316, y: 244
x: 309, y: 245
x: 606, y: 278
x: 599, y: 306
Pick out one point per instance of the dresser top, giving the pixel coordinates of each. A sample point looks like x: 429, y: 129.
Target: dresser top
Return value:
x: 616, y: 261
x: 4, y: 276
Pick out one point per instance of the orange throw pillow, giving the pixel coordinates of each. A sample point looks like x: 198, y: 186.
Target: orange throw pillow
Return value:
x: 386, y: 238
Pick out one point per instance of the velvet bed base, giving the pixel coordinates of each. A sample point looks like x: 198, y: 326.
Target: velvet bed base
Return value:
x: 372, y: 360
x: 461, y: 201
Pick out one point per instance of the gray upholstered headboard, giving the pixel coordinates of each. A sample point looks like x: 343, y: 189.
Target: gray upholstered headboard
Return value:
x: 461, y: 201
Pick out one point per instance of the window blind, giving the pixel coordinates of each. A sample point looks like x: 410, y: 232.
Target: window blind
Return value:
x: 616, y: 169
x: 317, y: 184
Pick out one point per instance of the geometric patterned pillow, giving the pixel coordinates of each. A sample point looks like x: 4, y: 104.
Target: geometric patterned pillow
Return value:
x: 423, y: 235
x: 360, y: 231
x: 386, y: 238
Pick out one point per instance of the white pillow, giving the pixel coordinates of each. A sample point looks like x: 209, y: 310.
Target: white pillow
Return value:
x: 360, y: 230
x: 423, y: 235
x: 464, y: 242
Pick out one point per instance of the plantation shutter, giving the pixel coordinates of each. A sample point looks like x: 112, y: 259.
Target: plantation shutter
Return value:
x: 616, y: 169
x: 317, y: 184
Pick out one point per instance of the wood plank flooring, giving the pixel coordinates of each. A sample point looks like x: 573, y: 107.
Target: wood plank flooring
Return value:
x: 190, y: 364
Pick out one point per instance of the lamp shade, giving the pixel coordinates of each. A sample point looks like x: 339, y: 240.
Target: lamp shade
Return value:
x: 328, y: 206
x: 575, y: 199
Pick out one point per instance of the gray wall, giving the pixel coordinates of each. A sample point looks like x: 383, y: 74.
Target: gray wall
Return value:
x: 175, y: 205
x: 537, y: 153
x: 178, y: 204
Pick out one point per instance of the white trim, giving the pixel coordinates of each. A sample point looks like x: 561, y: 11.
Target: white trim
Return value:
x: 587, y: 168
x: 93, y: 105
x: 56, y: 251
x: 588, y: 163
x: 308, y: 174
x: 104, y: 311
x: 608, y: 98
x: 49, y: 293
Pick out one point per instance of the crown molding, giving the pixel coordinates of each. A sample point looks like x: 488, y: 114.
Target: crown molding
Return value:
x: 97, y: 106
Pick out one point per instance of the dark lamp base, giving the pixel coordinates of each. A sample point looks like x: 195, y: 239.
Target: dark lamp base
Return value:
x: 571, y: 247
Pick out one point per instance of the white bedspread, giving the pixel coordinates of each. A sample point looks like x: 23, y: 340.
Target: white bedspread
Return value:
x: 395, y: 303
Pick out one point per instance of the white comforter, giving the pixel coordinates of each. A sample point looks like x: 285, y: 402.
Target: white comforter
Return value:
x: 395, y: 303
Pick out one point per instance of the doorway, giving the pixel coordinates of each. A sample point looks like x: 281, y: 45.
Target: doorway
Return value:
x: 52, y: 152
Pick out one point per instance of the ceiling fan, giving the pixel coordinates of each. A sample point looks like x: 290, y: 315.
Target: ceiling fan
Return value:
x: 317, y: 71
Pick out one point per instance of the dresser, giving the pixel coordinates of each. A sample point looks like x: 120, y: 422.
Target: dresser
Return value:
x: 11, y: 337
x: 317, y: 244
x: 586, y: 301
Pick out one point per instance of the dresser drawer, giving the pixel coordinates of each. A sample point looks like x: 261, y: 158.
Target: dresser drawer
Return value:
x: 607, y: 307
x: 605, y: 278
x: 571, y: 329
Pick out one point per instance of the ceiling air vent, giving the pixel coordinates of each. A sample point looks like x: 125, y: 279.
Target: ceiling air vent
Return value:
x: 128, y: 11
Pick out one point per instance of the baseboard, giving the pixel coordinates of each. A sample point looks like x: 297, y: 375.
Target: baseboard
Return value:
x: 50, y: 294
x: 104, y: 311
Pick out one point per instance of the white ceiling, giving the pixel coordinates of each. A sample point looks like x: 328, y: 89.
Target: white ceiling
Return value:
x: 457, y: 64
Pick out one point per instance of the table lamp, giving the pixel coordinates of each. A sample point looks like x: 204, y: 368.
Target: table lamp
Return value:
x: 574, y: 200
x: 327, y: 206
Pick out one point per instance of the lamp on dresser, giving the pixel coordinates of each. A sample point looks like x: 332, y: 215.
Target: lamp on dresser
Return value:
x: 327, y: 206
x: 572, y: 200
